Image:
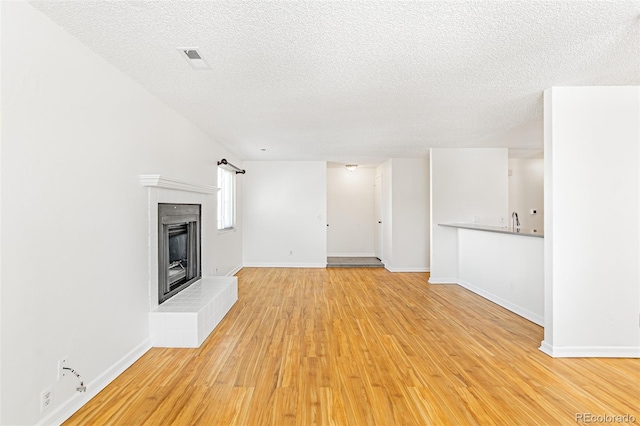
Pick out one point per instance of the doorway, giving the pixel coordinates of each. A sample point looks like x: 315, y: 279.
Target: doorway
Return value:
x: 351, y: 219
x: 377, y: 209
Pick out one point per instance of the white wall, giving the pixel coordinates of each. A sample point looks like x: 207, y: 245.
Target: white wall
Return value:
x: 526, y: 191
x: 1, y: 379
x: 592, y: 221
x: 350, y: 208
x: 410, y: 215
x: 405, y: 214
x: 467, y: 185
x: 506, y: 269
x: 76, y: 135
x: 385, y: 170
x: 548, y: 223
x: 285, y: 205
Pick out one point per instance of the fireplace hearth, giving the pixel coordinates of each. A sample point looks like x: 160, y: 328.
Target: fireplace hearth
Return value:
x: 187, y: 307
x: 179, y: 263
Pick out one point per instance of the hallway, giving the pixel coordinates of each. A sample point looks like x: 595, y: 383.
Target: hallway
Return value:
x: 354, y: 262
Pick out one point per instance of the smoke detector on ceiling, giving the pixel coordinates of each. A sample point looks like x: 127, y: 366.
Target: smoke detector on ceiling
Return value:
x: 193, y: 57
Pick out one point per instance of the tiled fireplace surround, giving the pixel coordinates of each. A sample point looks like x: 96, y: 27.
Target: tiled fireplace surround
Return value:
x: 185, y: 320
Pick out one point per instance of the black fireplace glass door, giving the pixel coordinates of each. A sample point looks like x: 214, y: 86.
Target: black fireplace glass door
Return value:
x: 178, y: 248
x: 178, y: 254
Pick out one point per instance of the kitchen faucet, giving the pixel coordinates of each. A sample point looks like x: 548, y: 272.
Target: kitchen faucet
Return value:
x: 515, y: 222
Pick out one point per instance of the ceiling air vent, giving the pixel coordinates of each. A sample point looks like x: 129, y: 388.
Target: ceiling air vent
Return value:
x: 193, y: 57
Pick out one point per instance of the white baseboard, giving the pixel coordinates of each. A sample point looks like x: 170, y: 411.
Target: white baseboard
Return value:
x: 442, y: 280
x: 406, y: 269
x: 284, y: 265
x: 234, y: 271
x: 591, y: 351
x: 546, y: 348
x: 65, y: 410
x: 351, y: 255
x: 525, y: 313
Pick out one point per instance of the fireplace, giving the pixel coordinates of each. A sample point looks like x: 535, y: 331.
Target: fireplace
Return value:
x: 179, y: 263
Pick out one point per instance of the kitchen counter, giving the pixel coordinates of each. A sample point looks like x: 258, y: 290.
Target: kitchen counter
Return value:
x: 495, y: 263
x: 501, y: 230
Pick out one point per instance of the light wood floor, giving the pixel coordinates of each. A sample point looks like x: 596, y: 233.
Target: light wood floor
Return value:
x: 363, y: 346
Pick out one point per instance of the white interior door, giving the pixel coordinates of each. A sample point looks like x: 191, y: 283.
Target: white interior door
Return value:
x: 377, y: 232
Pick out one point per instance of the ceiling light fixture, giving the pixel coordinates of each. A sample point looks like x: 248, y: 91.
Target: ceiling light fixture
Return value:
x: 193, y: 57
x: 351, y: 167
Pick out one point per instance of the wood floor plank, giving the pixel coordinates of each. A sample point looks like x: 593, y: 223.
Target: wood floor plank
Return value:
x: 363, y: 346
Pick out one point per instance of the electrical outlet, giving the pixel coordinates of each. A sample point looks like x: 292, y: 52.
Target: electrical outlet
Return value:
x: 64, y: 362
x: 46, y: 399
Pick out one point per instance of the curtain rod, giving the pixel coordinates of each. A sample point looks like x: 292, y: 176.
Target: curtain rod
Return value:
x: 236, y: 169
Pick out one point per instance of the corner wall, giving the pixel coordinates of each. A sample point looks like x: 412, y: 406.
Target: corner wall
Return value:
x: 76, y: 134
x: 410, y: 216
x: 467, y: 186
x: 405, y: 214
x: 385, y: 171
x: 526, y: 191
x: 592, y: 222
x: 285, y: 205
x: 0, y: 213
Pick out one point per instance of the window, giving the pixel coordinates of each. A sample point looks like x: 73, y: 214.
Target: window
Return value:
x: 226, y: 199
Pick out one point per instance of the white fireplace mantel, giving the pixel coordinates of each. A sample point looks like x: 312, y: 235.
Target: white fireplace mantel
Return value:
x: 186, y: 319
x: 159, y: 181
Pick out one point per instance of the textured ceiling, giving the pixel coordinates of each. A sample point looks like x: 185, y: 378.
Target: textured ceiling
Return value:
x: 362, y: 81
